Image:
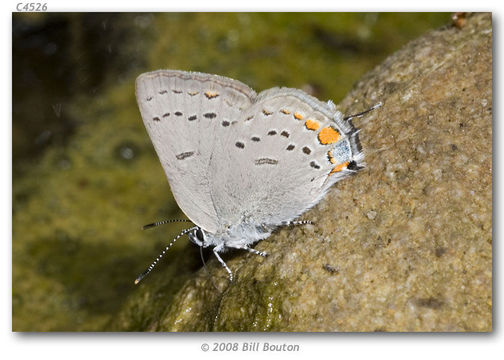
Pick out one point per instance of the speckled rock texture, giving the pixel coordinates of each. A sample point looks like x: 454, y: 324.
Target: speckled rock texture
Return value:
x: 405, y: 245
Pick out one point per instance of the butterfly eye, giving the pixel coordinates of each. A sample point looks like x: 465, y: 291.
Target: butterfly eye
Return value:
x: 200, y: 236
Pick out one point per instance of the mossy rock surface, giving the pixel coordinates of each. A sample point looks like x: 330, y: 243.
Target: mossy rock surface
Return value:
x: 405, y: 245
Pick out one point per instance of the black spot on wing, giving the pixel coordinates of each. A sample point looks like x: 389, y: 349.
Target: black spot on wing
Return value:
x: 184, y: 155
x: 266, y: 161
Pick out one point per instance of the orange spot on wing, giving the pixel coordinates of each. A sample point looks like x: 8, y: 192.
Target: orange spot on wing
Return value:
x: 331, y: 159
x: 339, y: 167
x: 328, y: 135
x: 211, y: 94
x: 312, y: 124
x: 286, y: 112
x: 298, y: 116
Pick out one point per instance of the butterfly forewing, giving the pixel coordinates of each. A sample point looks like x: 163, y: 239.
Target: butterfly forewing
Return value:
x: 183, y: 114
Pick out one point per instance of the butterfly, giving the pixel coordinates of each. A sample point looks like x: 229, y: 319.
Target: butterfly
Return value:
x: 241, y: 164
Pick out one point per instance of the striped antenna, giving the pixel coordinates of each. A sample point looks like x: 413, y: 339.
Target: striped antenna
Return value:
x: 154, y: 224
x: 358, y: 115
x: 149, y: 269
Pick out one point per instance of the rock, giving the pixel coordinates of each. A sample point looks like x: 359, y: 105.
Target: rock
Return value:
x: 405, y: 245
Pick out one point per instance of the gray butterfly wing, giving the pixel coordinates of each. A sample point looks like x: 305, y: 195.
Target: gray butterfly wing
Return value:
x: 280, y: 158
x: 182, y: 111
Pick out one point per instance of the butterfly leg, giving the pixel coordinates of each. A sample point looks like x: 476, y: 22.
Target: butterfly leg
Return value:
x: 216, y: 253
x: 297, y: 222
x: 244, y: 247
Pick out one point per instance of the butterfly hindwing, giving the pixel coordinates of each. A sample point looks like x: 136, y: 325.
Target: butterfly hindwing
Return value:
x: 287, y: 149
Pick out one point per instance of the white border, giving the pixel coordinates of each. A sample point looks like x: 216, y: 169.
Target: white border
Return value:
x: 164, y: 346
